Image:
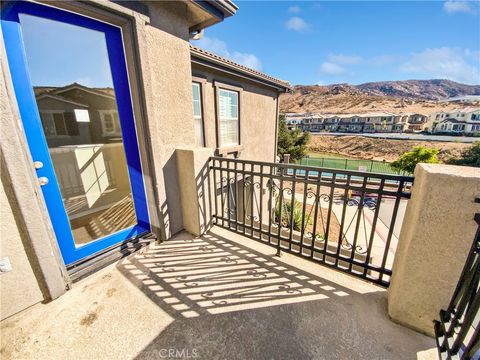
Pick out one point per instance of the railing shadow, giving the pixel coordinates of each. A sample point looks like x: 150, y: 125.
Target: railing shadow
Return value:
x: 210, y: 275
x: 230, y: 301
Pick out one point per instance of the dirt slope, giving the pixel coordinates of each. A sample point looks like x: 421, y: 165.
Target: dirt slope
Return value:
x: 379, y: 149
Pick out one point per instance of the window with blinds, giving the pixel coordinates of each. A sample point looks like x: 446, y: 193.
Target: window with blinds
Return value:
x: 228, y: 117
x: 197, y: 113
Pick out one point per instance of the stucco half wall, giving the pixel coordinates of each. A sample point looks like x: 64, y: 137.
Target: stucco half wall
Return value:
x: 438, y: 231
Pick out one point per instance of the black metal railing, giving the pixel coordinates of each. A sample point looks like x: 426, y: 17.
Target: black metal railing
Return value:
x: 458, y: 331
x: 348, y: 220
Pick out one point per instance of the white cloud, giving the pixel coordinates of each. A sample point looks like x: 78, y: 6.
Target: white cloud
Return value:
x: 383, y: 59
x: 338, y: 64
x: 248, y: 60
x: 214, y: 45
x: 219, y: 47
x: 454, y: 6
x: 443, y: 63
x: 294, y: 9
x: 344, y: 59
x: 297, y: 24
x: 329, y: 68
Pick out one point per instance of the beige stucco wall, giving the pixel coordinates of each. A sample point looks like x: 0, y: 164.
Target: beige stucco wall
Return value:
x: 165, y: 67
x: 438, y: 230
x: 258, y: 114
x: 13, y: 297
x: 22, y: 217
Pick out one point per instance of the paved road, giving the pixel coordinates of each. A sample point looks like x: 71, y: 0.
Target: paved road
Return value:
x: 402, y: 136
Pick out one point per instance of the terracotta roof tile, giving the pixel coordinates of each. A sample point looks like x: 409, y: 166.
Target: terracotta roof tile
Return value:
x: 200, y: 52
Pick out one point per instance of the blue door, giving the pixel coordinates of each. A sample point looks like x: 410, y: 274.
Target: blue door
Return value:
x: 71, y: 84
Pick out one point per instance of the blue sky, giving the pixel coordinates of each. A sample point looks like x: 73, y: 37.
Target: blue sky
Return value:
x: 59, y: 54
x: 355, y: 42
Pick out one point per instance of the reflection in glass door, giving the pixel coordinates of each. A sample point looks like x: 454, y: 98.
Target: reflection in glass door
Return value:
x: 79, y: 89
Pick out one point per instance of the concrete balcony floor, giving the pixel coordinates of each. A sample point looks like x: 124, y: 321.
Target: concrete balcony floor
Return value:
x: 220, y: 296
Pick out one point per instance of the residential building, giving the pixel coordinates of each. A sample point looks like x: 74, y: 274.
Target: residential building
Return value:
x: 312, y: 123
x: 383, y: 122
x: 457, y: 122
x: 378, y: 122
x: 351, y: 124
x: 450, y: 125
x: 417, y: 122
x: 331, y: 123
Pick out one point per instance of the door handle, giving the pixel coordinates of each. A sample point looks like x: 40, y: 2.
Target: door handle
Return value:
x: 43, y: 180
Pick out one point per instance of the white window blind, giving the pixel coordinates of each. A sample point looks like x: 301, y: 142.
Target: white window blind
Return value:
x: 197, y: 114
x: 228, y: 117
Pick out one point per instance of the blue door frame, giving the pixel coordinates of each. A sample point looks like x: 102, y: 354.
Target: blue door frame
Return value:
x: 36, y: 139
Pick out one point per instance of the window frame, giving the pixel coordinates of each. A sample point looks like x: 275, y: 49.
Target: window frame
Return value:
x: 228, y: 148
x: 201, y: 84
x: 50, y: 113
x: 116, y: 132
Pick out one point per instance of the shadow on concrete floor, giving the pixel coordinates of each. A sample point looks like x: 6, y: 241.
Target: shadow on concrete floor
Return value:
x: 230, y: 301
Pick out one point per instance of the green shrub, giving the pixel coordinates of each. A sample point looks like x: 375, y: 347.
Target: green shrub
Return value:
x: 410, y: 159
x: 293, y: 142
x: 287, y: 210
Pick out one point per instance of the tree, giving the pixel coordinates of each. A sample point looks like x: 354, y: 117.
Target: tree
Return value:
x: 410, y: 159
x: 293, y: 142
x: 469, y: 157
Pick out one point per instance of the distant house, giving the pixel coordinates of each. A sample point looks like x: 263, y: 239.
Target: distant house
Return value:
x: 292, y: 124
x: 416, y: 122
x: 312, y: 123
x: 331, y: 123
x: 378, y: 122
x: 460, y: 121
x: 450, y: 125
x: 351, y: 124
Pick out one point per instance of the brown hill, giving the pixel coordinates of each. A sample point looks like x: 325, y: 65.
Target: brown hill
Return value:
x: 420, y: 89
x: 394, y: 96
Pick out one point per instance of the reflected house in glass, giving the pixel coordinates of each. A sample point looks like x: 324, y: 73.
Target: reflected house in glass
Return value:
x: 83, y: 133
x: 87, y: 114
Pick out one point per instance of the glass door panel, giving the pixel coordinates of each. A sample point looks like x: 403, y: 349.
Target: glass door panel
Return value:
x: 71, y: 77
